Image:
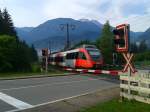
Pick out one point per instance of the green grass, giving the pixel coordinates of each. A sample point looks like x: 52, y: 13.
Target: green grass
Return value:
x: 116, y: 106
x: 52, y: 71
x: 143, y: 63
x: 11, y: 75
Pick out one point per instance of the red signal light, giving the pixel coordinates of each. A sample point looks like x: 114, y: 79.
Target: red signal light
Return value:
x: 121, y: 39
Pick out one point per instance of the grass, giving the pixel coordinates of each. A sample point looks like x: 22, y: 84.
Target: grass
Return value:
x: 11, y: 75
x: 143, y: 63
x: 116, y: 106
x: 52, y: 71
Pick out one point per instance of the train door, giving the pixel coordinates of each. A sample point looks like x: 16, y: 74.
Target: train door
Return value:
x: 70, y: 60
x: 82, y: 60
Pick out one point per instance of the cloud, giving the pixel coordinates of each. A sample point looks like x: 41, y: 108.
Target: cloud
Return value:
x: 34, y: 12
x: 24, y: 12
x: 68, y: 8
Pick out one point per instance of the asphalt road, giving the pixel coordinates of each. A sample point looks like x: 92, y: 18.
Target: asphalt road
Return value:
x: 21, y: 94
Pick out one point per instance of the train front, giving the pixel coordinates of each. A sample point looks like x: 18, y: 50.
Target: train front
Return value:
x: 95, y: 57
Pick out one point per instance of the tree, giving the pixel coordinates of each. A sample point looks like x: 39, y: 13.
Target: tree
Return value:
x: 105, y: 43
x: 133, y: 48
x: 22, y: 59
x: 15, y: 55
x: 7, y: 52
x: 8, y: 27
x: 1, y: 23
x: 33, y: 54
x: 142, y: 47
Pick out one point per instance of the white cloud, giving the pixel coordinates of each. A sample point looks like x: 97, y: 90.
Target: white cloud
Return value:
x: 35, y: 12
x: 148, y: 10
x: 67, y: 8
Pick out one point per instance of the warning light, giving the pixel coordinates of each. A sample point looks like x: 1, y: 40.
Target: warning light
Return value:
x: 121, y: 38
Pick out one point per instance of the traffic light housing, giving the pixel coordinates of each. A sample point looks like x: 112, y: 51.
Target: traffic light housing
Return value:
x: 121, y: 39
x: 45, y: 52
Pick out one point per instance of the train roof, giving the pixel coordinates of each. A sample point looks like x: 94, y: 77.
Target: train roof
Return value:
x: 86, y: 46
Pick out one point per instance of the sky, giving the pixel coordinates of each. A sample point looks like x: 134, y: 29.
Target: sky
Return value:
x: 27, y: 13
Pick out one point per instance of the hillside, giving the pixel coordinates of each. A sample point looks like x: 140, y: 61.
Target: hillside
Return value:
x: 23, y: 32
x: 52, y: 31
x: 145, y: 36
x: 54, y: 34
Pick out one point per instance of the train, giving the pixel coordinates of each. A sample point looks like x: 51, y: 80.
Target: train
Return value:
x: 85, y: 56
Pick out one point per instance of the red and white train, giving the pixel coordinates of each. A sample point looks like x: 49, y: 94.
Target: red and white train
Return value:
x: 87, y: 56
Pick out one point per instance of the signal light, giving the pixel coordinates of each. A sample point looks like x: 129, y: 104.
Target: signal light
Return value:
x: 121, y: 39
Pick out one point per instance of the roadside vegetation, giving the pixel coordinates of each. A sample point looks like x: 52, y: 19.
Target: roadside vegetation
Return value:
x: 15, y: 54
x: 21, y: 74
x: 116, y: 106
x: 52, y: 71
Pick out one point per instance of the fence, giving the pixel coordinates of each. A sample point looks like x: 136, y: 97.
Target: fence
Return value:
x: 136, y: 87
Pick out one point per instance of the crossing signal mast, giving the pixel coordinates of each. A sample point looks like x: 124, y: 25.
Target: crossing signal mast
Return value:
x: 122, y: 45
x: 45, y: 59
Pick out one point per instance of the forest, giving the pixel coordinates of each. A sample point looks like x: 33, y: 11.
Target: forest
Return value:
x: 15, y: 55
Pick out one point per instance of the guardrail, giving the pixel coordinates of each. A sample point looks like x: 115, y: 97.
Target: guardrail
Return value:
x: 135, y: 87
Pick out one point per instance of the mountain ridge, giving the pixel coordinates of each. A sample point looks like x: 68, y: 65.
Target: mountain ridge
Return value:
x: 52, y: 31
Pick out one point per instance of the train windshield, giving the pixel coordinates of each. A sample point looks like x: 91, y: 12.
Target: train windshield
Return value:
x: 95, y: 54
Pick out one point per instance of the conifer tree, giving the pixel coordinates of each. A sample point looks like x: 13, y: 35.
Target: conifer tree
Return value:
x: 34, y: 54
x: 142, y: 46
x: 105, y: 43
x: 8, y: 27
x: 1, y: 23
x: 15, y: 55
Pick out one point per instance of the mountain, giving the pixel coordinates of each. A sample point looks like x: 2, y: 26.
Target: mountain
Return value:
x: 134, y: 36
x: 93, y: 21
x: 23, y: 32
x: 54, y: 31
x: 145, y: 36
x: 26, y: 29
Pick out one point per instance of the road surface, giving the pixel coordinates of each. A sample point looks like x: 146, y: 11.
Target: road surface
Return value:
x: 21, y: 94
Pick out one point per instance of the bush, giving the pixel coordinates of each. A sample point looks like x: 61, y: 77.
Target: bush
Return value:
x: 35, y: 67
x: 145, y: 56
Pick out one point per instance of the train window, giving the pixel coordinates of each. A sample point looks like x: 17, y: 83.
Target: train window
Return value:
x: 55, y: 59
x: 76, y: 55
x: 95, y: 54
x: 50, y: 59
x: 61, y: 59
x: 82, y: 55
x: 72, y: 55
x: 68, y: 56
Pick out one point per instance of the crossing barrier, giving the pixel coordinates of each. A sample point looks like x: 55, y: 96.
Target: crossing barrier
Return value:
x: 111, y: 72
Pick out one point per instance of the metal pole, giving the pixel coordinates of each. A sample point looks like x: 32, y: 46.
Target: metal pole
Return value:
x: 46, y: 64
x: 129, y: 75
x: 68, y: 42
x: 67, y: 26
x: 49, y: 47
x: 113, y: 58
